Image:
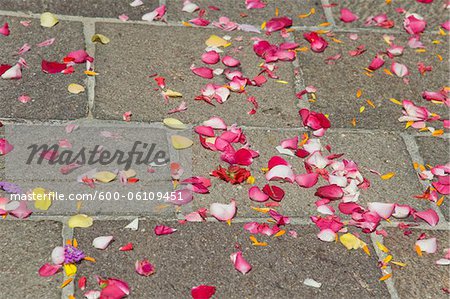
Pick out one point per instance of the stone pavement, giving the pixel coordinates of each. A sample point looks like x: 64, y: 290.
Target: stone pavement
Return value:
x: 198, y: 253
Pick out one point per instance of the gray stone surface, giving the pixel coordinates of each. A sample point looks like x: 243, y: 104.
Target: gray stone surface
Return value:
x: 85, y: 8
x: 237, y: 12
x: 435, y: 151
x: 421, y: 277
x: 434, y: 13
x: 383, y: 152
x: 50, y: 98
x: 124, y: 84
x: 200, y: 254
x: 25, y: 247
x: 338, y: 84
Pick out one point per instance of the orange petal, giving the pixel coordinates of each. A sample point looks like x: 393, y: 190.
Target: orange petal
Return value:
x: 65, y: 283
x: 387, y: 276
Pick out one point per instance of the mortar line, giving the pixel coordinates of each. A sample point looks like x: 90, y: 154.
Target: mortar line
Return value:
x: 89, y: 31
x: 328, y: 12
x: 294, y: 220
x: 67, y: 234
x: 179, y: 24
x: 299, y: 82
x: 413, y: 150
x: 390, y: 283
x: 191, y: 125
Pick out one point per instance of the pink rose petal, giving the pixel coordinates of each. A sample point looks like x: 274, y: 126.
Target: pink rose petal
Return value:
x: 203, y: 292
x: 240, y: 263
x: 48, y: 270
x: 164, y: 230
x: 223, y: 212
x: 429, y: 216
x: 347, y: 16
x: 255, y: 194
x: 210, y: 57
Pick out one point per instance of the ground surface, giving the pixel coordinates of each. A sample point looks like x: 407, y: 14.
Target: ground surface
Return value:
x: 364, y: 127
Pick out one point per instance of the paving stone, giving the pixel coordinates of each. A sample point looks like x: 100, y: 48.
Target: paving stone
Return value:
x: 338, y: 84
x: 85, y: 8
x: 435, y: 151
x: 25, y: 247
x: 235, y: 9
x: 137, y: 51
x: 50, y: 98
x: 200, y: 254
x: 384, y: 152
x: 434, y: 13
x: 421, y: 278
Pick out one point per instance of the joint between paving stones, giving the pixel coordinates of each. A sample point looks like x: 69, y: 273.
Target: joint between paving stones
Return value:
x: 328, y: 12
x: 414, y: 153
x: 89, y: 31
x: 390, y: 283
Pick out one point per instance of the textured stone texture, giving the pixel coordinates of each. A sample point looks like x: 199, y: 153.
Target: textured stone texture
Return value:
x: 50, y: 98
x: 84, y: 8
x: 125, y: 84
x: 237, y: 12
x: 338, y: 84
x: 435, y: 151
x: 434, y: 13
x: 383, y: 152
x: 200, y: 254
x: 25, y: 247
x: 421, y: 278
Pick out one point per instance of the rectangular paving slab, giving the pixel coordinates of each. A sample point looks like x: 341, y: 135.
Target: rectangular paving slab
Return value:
x: 436, y: 151
x: 434, y: 12
x: 200, y: 254
x: 25, y: 247
x: 138, y: 51
x: 236, y: 11
x: 49, y: 96
x: 84, y: 8
x: 337, y: 84
x: 383, y: 152
x: 421, y: 277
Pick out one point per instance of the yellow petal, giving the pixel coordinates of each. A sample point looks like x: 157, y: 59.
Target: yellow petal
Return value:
x: 361, y: 109
x: 324, y: 24
x: 172, y: 94
x: 399, y: 264
x: 280, y: 233
x: 387, y: 259
x: 100, y: 38
x: 251, y: 180
x: 65, y: 283
x: 261, y: 210
x: 395, y: 101
x: 174, y: 123
x: 387, y: 276
x: 80, y: 220
x: 366, y: 250
x: 350, y: 241
x: 382, y: 247
x: 215, y: 41
x: 70, y: 269
x: 48, y: 20
x: 105, y: 176
x: 75, y: 88
x: 42, y: 199
x: 387, y: 176
x: 181, y: 142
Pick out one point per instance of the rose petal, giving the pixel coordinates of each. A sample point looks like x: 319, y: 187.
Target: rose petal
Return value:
x: 385, y: 210
x: 49, y: 270
x: 255, y: 194
x: 427, y: 245
x: 307, y: 180
x: 203, y: 292
x: 102, y: 242
x: 429, y: 216
x: 230, y: 61
x: 332, y: 192
x: 223, y: 212
x: 347, y: 16
x: 240, y: 263
x: 164, y: 230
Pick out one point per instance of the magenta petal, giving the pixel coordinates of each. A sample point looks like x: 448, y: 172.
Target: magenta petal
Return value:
x: 112, y: 292
x: 276, y: 24
x: 243, y: 157
x: 281, y: 172
x: 429, y: 216
x: 274, y: 192
x: 5, y: 146
x: 144, y: 268
x: 52, y: 67
x: 349, y: 207
x: 230, y: 61
x: 203, y: 72
x: 49, y: 270
x: 240, y: 263
x: 14, y: 72
x: 4, y: 30
x: 291, y: 143
x: 203, y: 292
x: 255, y: 194
x: 331, y: 192
x: 347, y: 16
x: 376, y: 63
x: 211, y: 57
x: 164, y: 230
x: 307, y: 180
x: 205, y: 131
x: 79, y: 56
